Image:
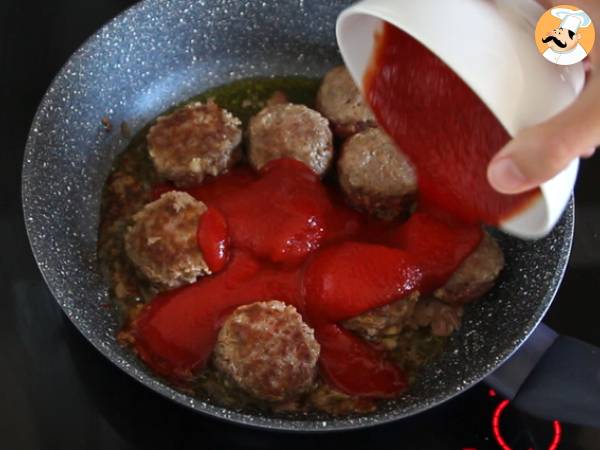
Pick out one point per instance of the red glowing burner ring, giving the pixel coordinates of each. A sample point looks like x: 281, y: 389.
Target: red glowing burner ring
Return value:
x: 498, y: 435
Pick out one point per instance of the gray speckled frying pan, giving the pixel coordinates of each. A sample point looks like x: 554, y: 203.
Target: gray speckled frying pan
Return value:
x: 159, y: 53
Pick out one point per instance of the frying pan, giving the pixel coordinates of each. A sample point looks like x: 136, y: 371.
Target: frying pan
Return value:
x: 159, y: 53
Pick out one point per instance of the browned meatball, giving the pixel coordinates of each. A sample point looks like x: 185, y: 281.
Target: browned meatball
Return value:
x: 196, y: 140
x: 290, y: 131
x: 476, y: 275
x: 341, y: 102
x: 443, y: 319
x: 268, y: 351
x: 376, y: 176
x: 161, y: 243
x: 384, y: 321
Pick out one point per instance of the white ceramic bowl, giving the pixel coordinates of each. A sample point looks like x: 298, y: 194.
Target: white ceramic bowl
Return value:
x: 519, y: 86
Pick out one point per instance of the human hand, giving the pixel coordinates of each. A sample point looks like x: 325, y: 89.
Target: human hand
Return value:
x: 538, y: 153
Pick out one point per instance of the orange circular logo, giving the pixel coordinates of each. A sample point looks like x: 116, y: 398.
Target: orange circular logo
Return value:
x: 565, y: 35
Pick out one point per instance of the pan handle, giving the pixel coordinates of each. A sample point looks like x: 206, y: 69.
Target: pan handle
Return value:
x: 553, y: 377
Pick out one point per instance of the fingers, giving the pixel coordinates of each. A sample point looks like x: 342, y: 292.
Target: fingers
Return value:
x: 532, y: 157
x: 537, y: 154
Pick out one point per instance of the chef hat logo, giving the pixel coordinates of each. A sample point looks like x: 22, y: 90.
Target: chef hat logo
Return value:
x: 571, y: 20
x: 565, y: 35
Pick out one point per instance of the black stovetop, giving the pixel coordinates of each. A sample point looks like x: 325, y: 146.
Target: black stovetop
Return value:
x: 57, y: 392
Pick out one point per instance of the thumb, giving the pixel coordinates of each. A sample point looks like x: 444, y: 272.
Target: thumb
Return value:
x: 537, y: 154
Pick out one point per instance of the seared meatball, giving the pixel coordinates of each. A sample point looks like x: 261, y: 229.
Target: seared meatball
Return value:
x: 268, y: 351
x: 196, y: 140
x: 475, y: 276
x: 387, y: 320
x: 290, y: 131
x: 443, y: 319
x: 161, y: 243
x: 340, y: 101
x: 376, y: 176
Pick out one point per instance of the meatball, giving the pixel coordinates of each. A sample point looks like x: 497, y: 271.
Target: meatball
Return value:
x: 196, y: 140
x: 268, y: 351
x: 161, y: 242
x: 290, y: 131
x: 376, y: 176
x: 475, y: 276
x: 387, y: 320
x: 340, y: 101
x: 443, y: 319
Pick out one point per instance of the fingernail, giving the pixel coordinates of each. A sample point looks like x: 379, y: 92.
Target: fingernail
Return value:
x: 505, y: 176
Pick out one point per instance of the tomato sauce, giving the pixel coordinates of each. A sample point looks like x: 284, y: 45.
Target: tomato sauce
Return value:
x: 212, y: 238
x: 292, y: 238
x: 448, y: 133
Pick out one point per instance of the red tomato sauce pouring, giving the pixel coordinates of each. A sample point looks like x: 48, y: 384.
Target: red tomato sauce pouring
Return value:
x: 448, y: 133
